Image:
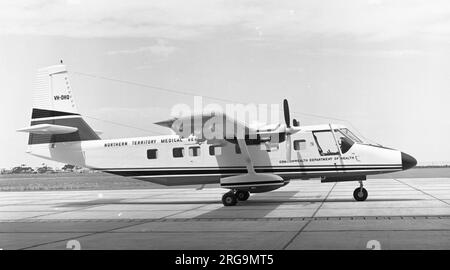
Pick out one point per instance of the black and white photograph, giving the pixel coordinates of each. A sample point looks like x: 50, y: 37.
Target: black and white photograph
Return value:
x: 211, y: 125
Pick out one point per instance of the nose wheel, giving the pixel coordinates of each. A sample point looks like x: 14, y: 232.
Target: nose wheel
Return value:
x: 232, y: 197
x: 360, y: 194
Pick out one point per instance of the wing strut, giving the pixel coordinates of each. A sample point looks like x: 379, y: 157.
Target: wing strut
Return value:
x: 335, y: 140
x: 246, y: 155
x: 251, y: 181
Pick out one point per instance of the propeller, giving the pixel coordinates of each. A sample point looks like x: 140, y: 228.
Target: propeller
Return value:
x: 287, y: 120
x: 287, y: 117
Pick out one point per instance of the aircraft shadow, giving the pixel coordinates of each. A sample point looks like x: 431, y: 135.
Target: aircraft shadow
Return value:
x: 274, y: 202
x: 262, y: 201
x: 285, y: 194
x: 258, y: 206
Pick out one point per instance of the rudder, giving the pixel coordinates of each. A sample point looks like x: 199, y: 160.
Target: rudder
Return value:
x: 53, y: 103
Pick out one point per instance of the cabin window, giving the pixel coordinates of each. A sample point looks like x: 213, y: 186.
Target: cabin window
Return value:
x: 194, y: 151
x: 326, y: 145
x: 152, y: 153
x: 178, y: 152
x: 215, y: 150
x: 299, y: 145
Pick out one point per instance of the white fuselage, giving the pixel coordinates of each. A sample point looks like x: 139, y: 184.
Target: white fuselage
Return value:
x: 130, y: 157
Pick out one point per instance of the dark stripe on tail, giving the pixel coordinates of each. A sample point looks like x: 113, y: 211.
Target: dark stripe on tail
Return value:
x: 39, y: 113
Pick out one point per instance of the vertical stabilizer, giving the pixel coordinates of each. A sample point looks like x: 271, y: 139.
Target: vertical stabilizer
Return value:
x: 54, y: 104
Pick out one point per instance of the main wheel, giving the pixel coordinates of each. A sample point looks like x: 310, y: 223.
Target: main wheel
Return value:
x: 242, y: 195
x: 360, y: 194
x: 229, y: 199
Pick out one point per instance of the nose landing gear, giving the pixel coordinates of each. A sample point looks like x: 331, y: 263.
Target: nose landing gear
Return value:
x: 360, y: 194
x: 232, y: 197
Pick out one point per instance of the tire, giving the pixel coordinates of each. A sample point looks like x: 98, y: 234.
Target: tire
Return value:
x: 229, y: 199
x: 242, y: 195
x: 360, y: 195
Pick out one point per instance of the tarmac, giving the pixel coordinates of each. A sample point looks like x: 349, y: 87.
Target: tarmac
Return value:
x: 407, y: 213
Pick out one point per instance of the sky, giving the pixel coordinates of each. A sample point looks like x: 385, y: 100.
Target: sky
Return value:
x: 380, y: 67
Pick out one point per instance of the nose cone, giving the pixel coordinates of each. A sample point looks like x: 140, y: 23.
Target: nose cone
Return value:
x: 408, y: 161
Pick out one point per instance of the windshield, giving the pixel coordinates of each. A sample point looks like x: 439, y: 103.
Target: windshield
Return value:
x: 347, y: 133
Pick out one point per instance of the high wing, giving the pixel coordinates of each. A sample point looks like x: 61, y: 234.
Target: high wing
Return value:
x: 207, y: 126
x: 219, y: 126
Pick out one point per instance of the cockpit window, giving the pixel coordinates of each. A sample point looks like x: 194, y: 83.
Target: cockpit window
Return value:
x: 347, y: 133
x: 346, y: 139
x: 344, y: 142
x: 327, y: 143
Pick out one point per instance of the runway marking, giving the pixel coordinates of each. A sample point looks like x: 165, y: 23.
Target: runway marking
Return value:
x: 79, y: 237
x: 221, y: 231
x: 141, y: 222
x: 333, y: 218
x: 38, y: 200
x: 426, y: 193
x: 190, y: 213
x: 84, y: 208
x: 307, y: 223
x: 183, y: 211
x: 61, y: 212
x: 88, y: 207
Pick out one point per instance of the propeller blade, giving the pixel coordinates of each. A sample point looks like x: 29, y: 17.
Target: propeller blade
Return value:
x: 287, y: 117
x: 288, y: 147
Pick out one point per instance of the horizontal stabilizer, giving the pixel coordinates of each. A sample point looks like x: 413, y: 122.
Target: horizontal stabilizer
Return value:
x: 48, y: 129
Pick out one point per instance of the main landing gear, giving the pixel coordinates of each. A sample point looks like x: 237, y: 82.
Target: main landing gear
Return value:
x: 232, y: 197
x: 360, y: 193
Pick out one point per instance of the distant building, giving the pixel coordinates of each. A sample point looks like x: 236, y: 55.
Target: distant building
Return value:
x: 68, y: 168
x: 22, y: 169
x: 82, y: 170
x: 45, y: 169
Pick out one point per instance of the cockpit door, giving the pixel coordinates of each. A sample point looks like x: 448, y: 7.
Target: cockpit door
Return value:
x: 326, y: 143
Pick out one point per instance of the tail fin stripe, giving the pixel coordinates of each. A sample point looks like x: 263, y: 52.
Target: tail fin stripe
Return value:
x: 40, y: 113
